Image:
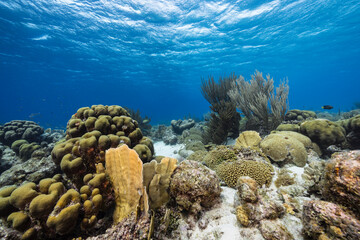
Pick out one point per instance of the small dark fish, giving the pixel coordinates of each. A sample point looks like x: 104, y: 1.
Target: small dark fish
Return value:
x: 327, y: 107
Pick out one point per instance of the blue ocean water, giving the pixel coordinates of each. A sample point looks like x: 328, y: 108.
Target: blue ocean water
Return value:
x: 59, y: 55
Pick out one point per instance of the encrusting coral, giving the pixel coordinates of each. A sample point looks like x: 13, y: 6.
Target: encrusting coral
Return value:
x: 326, y: 220
x: 342, y: 180
x: 194, y: 187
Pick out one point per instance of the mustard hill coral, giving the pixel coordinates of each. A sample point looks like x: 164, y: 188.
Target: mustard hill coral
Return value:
x: 24, y: 149
x: 5, y: 206
x: 23, y: 195
x: 64, y: 216
x: 43, y: 204
x: 90, y: 132
x: 18, y: 220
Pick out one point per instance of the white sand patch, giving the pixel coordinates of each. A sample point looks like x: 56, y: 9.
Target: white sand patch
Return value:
x: 231, y: 142
x: 294, y: 225
x: 221, y: 223
x: 298, y: 172
x: 161, y: 149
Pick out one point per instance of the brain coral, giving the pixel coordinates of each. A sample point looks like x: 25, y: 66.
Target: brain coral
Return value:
x: 230, y: 172
x: 248, y: 139
x: 286, y: 146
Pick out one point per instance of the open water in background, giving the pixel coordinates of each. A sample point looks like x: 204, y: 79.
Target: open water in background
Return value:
x: 59, y: 55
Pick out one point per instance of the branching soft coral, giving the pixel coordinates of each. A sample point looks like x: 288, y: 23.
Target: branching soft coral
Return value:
x: 224, y: 119
x: 257, y: 100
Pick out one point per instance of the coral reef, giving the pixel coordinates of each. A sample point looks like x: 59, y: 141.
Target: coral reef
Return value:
x: 131, y: 227
x: 33, y: 170
x: 257, y: 100
x: 286, y: 147
x: 296, y: 116
x: 179, y: 126
x: 20, y: 129
x: 93, y: 130
x: 352, y: 128
x: 325, y: 220
x: 19, y: 150
x: 194, y: 187
x: 56, y: 206
x: 342, y: 180
x: 352, y: 113
x: 259, y: 210
x: 143, y: 122
x: 323, y: 132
